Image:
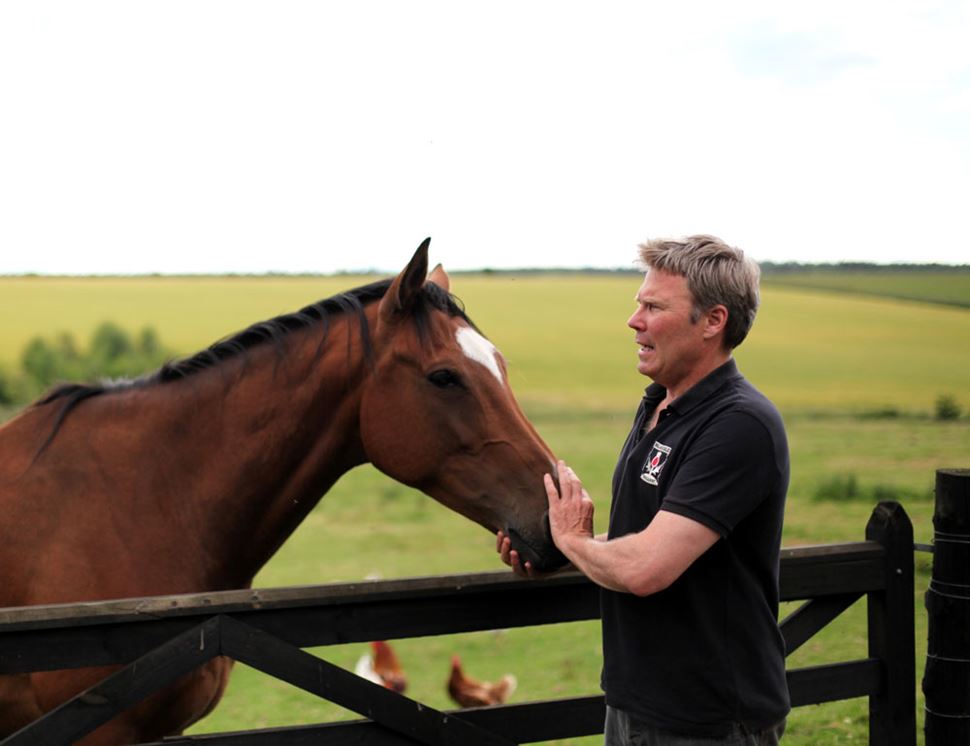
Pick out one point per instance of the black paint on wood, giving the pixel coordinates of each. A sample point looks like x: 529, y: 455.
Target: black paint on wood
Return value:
x: 267, y: 628
x: 946, y: 679
x: 802, y: 624
x: 834, y: 681
x: 389, y: 709
x: 97, y: 705
x: 520, y: 723
x: 892, y: 711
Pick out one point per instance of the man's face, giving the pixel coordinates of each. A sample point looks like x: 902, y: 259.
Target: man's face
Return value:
x: 670, y: 345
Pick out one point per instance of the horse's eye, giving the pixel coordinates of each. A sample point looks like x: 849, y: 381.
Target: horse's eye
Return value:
x: 444, y: 378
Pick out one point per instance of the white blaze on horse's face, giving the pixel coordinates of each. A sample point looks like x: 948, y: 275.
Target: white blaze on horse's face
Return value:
x: 479, y: 349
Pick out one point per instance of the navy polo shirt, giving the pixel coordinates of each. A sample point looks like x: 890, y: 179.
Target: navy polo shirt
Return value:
x: 706, y: 652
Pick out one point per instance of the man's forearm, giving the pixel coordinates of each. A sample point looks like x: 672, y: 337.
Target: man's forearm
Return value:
x: 606, y: 563
x: 641, y: 563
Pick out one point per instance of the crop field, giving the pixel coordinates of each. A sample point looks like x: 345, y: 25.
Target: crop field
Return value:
x: 932, y: 286
x: 564, y: 337
x: 856, y: 379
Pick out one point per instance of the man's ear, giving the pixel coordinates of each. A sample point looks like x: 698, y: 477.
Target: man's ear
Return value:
x: 715, y: 321
x: 406, y: 286
x: 440, y: 278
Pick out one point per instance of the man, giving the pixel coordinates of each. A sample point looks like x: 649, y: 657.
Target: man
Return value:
x: 689, y: 568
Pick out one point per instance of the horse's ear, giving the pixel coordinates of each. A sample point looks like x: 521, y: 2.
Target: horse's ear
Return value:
x: 440, y: 278
x: 406, y: 286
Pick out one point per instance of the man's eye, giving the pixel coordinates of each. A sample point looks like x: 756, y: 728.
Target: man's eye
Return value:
x: 444, y: 379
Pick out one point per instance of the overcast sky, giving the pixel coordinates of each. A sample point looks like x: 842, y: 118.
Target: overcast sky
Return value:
x: 320, y: 136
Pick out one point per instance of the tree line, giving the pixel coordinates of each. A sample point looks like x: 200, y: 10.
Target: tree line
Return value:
x: 110, y: 353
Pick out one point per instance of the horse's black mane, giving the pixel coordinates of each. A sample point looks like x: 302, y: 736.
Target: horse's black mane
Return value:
x: 274, y: 330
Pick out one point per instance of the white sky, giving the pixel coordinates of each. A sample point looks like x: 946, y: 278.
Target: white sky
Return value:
x: 320, y: 136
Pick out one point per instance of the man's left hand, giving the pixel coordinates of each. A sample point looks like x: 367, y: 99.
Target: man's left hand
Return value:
x: 570, y: 508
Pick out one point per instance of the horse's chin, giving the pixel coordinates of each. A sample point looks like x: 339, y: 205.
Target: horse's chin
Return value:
x: 544, y: 556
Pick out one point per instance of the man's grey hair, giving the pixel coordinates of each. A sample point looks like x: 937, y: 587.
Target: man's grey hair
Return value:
x: 716, y: 274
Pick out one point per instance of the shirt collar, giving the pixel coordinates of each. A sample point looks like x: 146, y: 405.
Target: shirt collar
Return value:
x: 697, y: 393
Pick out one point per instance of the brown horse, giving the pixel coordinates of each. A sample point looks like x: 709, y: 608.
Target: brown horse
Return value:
x: 190, y: 479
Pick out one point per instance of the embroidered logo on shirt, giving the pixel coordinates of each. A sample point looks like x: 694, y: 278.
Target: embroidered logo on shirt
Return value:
x: 655, y: 462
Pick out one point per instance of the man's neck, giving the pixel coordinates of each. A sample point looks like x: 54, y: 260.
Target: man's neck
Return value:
x: 696, y: 374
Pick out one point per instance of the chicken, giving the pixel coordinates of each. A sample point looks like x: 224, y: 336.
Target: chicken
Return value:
x: 382, y: 667
x: 470, y: 693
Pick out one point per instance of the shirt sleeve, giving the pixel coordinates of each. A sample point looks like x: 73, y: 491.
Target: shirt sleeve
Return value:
x: 726, y: 474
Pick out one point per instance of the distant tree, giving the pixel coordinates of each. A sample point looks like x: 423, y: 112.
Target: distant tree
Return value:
x: 40, y: 362
x: 71, y: 365
x: 149, y: 344
x: 947, y: 408
x: 7, y: 394
x: 112, y: 353
x: 109, y: 344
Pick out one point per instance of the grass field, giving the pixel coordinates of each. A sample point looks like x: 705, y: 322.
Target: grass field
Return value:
x: 948, y: 287
x: 835, y: 364
x: 564, y: 337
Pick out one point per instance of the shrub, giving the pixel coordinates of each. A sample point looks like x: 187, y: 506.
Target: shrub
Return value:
x: 947, y: 408
x: 149, y: 345
x: 838, y: 487
x: 882, y: 492
x: 40, y: 362
x: 887, y: 412
x: 845, y: 487
x: 109, y: 345
x: 7, y: 396
x: 113, y: 353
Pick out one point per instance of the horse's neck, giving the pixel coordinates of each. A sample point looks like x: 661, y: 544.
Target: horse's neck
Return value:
x: 243, y: 451
x: 289, y: 428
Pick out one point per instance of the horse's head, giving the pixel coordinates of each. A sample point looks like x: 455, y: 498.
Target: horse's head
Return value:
x: 438, y: 414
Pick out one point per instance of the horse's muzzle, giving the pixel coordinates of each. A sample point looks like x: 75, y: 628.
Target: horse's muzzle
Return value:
x: 541, y: 553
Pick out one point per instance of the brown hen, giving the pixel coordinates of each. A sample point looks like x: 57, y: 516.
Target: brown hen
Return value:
x: 382, y: 667
x: 468, y: 692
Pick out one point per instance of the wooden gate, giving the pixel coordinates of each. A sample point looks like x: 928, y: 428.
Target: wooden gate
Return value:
x: 161, y: 638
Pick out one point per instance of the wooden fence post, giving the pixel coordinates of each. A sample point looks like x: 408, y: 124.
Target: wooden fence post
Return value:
x: 946, y: 681
x: 892, y: 712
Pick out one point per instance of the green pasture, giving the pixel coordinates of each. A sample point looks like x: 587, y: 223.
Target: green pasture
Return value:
x: 934, y: 286
x: 855, y: 378
x: 564, y: 337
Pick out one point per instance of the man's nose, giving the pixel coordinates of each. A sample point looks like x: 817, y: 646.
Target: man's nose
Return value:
x: 636, y: 321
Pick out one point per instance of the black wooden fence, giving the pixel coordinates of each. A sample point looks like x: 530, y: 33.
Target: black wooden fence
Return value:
x: 159, y: 639
x: 946, y: 678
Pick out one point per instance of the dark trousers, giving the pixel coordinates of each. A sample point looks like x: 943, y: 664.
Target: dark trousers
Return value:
x: 622, y: 730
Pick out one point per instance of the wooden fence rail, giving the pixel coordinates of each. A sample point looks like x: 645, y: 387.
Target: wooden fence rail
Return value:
x: 158, y: 639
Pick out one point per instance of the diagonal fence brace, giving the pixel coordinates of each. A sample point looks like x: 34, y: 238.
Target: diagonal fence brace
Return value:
x: 813, y: 615
x: 122, y: 689
x: 394, y: 711
x: 223, y: 635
